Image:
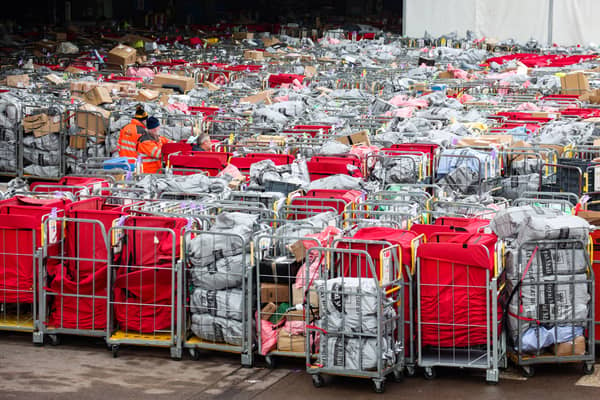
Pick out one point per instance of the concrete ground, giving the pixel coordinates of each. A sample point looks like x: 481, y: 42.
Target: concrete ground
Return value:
x: 81, y: 368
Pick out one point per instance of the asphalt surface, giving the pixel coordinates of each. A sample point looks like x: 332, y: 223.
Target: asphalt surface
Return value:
x: 82, y: 368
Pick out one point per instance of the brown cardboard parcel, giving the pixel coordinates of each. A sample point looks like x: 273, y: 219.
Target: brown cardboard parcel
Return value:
x: 361, y: 137
x: 290, y: 343
x: 121, y: 55
x: 186, y: 83
x: 98, y: 95
x: 274, y: 293
x: 93, y: 118
x: 17, y: 81
x: 574, y: 83
x: 41, y: 124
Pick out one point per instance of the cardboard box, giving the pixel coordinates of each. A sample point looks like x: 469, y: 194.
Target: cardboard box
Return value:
x: 267, y: 139
x: 98, y: 95
x: 253, y: 55
x: 274, y: 293
x: 147, y: 95
x: 41, y: 124
x: 210, y: 86
x: 264, y: 96
x: 121, y: 55
x: 61, y: 36
x: 592, y: 96
x: 78, y: 142
x: 361, y: 137
x: 445, y: 75
x: 270, y: 41
x: 486, y: 140
x: 186, y: 83
x: 294, y: 315
x: 310, y: 71
x: 420, y: 87
x: 17, y: 81
x: 593, y: 217
x: 298, y: 297
x: 298, y: 250
x: 290, y: 343
x: 574, y: 83
x: 92, y: 118
x: 267, y: 311
x: 30, y: 121
x: 574, y: 348
x: 74, y: 70
x: 55, y: 79
x: 242, y: 35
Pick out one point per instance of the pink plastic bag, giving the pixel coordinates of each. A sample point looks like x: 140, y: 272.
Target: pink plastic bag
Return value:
x: 268, y: 335
x: 294, y: 327
x: 140, y: 72
x: 363, y: 151
x: 323, y: 238
x: 232, y: 171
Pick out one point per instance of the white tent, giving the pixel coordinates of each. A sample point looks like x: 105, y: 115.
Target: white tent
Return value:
x: 566, y: 22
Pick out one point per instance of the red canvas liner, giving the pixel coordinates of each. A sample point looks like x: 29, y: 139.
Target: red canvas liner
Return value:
x: 211, y: 162
x: 142, y: 300
x: 20, y: 236
x: 321, y: 167
x: 85, y: 240
x: 174, y: 147
x: 151, y: 247
x: 47, y: 187
x: 243, y: 163
x: 276, y: 80
x: 70, y: 309
x: 454, y: 273
x: 426, y: 148
x: 313, y: 199
x: 358, y: 266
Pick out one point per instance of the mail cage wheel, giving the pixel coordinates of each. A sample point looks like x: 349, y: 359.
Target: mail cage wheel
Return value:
x: 194, y: 354
x: 527, y: 371
x: 588, y: 368
x: 410, y: 371
x: 54, y: 340
x: 271, y: 363
x: 115, y: 350
x: 430, y: 373
x: 398, y: 375
x: 379, y: 385
x: 318, y: 380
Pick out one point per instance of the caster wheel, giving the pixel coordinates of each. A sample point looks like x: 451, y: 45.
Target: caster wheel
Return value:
x: 54, y: 340
x: 270, y: 362
x: 115, y: 351
x: 318, y: 381
x: 194, y: 354
x: 398, y: 376
x: 528, y: 372
x: 379, y: 386
x: 588, y: 369
x: 430, y: 374
x: 410, y: 371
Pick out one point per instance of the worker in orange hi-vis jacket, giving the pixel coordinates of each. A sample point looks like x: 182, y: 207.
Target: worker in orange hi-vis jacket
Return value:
x: 149, y: 147
x: 129, y: 135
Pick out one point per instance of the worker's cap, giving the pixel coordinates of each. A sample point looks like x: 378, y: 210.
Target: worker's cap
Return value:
x: 152, y: 123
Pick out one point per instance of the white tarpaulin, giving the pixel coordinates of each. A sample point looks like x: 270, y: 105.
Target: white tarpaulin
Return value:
x: 573, y: 21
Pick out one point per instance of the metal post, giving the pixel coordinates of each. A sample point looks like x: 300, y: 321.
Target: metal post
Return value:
x: 550, y: 21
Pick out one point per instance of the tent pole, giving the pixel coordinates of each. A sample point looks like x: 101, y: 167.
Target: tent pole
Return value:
x: 550, y: 21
